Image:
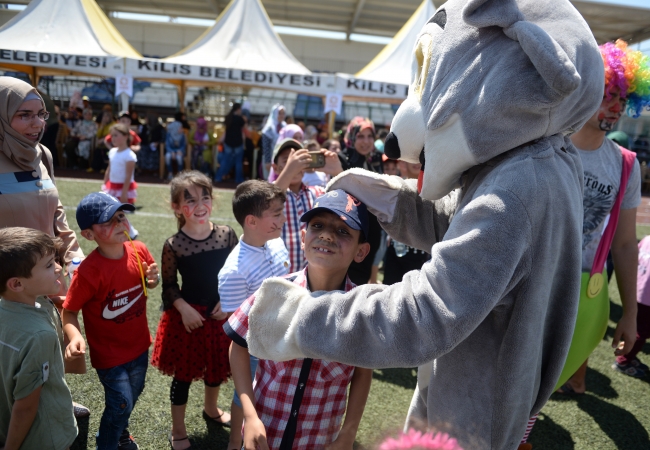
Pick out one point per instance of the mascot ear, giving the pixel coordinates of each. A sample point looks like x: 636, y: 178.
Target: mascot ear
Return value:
x: 491, y: 13
x: 550, y: 60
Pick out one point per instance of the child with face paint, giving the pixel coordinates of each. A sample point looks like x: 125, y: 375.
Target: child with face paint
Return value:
x: 190, y: 342
x: 119, y: 176
x: 110, y: 289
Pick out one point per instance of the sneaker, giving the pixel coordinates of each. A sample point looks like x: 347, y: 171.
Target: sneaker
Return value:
x: 639, y: 365
x: 126, y: 441
x: 80, y: 411
x: 629, y: 369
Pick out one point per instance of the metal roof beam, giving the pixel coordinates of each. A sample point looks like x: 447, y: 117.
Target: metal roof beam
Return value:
x: 355, y: 18
x: 214, y: 6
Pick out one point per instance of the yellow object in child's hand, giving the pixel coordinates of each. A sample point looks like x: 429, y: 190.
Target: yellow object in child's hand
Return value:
x: 144, y: 283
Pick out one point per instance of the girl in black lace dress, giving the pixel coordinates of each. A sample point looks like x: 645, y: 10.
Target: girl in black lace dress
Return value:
x: 190, y: 342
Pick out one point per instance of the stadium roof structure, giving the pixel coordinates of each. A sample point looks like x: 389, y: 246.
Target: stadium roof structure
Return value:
x: 63, y: 37
x: 379, y: 17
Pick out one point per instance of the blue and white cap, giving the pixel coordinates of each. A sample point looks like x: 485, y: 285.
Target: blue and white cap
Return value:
x: 348, y: 208
x: 99, y: 207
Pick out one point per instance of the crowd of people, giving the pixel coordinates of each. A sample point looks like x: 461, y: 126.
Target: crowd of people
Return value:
x: 317, y: 239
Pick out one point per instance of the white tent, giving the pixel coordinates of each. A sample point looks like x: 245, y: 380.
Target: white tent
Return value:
x: 241, y: 38
x: 241, y: 48
x: 63, y: 37
x: 393, y: 63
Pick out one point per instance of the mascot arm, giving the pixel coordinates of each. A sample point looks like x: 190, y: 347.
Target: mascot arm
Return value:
x: 484, y: 255
x: 400, y: 210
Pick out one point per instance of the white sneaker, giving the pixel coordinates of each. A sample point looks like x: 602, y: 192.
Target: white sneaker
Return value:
x: 133, y: 233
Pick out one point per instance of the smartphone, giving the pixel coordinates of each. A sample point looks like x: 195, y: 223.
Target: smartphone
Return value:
x: 317, y: 160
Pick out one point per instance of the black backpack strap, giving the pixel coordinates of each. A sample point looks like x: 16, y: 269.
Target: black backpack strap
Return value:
x: 292, y: 424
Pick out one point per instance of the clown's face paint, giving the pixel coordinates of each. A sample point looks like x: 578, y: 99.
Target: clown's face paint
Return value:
x: 195, y: 206
x: 112, y: 232
x: 610, y: 111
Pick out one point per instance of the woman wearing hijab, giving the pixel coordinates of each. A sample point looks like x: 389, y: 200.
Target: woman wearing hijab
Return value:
x: 274, y: 123
x: 28, y: 196
x: 201, y: 142
x: 233, y: 145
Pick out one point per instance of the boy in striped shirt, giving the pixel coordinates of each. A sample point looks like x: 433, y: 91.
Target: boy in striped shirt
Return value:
x: 258, y: 206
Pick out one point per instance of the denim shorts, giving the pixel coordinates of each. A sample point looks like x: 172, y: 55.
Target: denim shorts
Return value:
x: 254, y: 361
x: 122, y: 386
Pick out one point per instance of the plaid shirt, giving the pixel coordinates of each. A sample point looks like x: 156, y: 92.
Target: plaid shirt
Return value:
x: 323, y: 403
x: 295, y: 206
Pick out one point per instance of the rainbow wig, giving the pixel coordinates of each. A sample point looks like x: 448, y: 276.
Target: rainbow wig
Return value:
x: 628, y: 70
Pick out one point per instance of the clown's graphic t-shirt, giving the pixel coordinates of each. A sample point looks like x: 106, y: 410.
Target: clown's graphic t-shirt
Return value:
x: 602, y: 171
x: 113, y: 304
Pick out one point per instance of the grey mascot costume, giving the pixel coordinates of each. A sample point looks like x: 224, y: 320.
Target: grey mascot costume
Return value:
x: 498, y: 86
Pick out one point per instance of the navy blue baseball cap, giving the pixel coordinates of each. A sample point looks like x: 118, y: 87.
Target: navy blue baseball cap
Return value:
x: 99, y: 207
x: 344, y: 205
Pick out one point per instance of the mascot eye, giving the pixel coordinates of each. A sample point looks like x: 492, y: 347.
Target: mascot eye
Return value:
x: 439, y: 18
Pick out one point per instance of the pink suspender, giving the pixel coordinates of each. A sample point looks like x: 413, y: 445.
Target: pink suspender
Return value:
x: 608, y: 235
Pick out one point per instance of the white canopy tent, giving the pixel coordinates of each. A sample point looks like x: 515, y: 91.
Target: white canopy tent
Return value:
x: 63, y: 38
x: 394, y: 63
x: 388, y: 75
x: 241, y: 48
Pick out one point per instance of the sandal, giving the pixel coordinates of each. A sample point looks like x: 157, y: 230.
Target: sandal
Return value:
x: 172, y: 440
x: 216, y: 419
x: 567, y: 389
x: 629, y: 369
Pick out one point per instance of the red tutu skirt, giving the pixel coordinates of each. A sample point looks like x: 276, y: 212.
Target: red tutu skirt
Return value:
x: 199, y: 355
x: 115, y: 189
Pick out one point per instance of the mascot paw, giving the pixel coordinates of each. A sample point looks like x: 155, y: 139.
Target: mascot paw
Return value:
x: 378, y: 192
x: 271, y: 320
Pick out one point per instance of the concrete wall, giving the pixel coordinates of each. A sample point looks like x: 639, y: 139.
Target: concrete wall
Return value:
x: 164, y: 39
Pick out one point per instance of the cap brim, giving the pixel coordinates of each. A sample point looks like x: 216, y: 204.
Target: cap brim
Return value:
x: 110, y: 211
x: 350, y: 221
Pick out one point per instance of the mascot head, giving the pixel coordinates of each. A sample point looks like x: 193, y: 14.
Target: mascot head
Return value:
x: 489, y: 76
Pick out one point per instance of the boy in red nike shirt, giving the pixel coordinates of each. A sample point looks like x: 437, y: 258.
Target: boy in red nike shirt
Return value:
x: 109, y: 289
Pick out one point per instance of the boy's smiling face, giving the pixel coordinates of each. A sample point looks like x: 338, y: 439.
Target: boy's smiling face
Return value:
x: 330, y: 244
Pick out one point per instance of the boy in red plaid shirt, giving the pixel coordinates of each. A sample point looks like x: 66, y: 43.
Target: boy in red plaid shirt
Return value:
x: 300, y: 403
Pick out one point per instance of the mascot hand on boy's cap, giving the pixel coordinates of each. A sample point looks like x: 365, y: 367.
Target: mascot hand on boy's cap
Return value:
x: 272, y: 316
x: 378, y: 192
x: 491, y: 75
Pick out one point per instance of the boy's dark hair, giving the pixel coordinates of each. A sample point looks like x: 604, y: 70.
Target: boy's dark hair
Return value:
x: 253, y: 197
x: 20, y: 250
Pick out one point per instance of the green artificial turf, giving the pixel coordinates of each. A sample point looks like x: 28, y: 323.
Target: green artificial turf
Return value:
x: 612, y: 414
